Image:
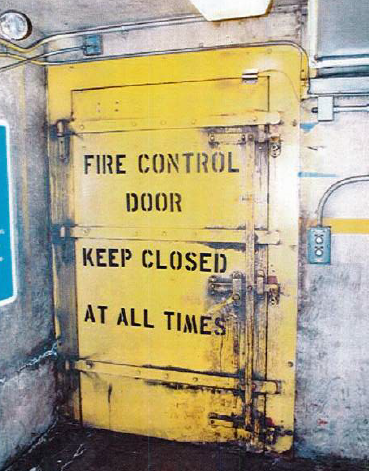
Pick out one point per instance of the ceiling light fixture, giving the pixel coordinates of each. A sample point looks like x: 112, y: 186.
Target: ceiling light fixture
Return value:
x: 214, y: 10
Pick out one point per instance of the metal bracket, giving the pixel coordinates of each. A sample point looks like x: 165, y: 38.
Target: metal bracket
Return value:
x: 250, y: 76
x: 325, y: 108
x: 60, y: 233
x: 237, y: 421
x: 92, y: 45
x: 267, y: 237
x: 227, y: 286
x: 262, y: 134
x: 60, y: 131
x: 266, y: 387
x: 269, y: 286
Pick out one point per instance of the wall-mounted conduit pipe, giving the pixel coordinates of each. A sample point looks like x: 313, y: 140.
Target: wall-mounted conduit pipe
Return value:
x: 131, y: 26
x: 319, y: 237
x: 22, y: 60
x: 20, y: 53
x: 332, y: 189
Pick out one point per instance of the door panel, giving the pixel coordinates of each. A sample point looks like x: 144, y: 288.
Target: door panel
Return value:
x: 173, y: 411
x: 184, y: 178
x: 171, y: 105
x: 159, y: 307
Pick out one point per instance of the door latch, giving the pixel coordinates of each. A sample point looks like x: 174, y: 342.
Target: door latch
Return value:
x: 268, y: 285
x: 233, y: 421
x: 218, y: 285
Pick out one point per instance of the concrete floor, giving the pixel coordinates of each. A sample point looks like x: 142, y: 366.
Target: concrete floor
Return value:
x: 67, y: 446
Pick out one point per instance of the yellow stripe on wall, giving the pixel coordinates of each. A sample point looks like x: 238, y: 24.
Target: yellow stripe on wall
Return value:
x: 347, y: 226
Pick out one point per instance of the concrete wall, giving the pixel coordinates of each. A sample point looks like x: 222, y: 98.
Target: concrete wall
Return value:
x: 27, y: 389
x: 333, y: 358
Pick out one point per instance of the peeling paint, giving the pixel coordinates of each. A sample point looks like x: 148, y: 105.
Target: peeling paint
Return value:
x: 307, y: 127
x: 317, y: 175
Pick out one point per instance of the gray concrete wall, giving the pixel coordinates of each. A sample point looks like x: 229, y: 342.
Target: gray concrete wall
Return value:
x: 333, y: 358
x: 27, y: 382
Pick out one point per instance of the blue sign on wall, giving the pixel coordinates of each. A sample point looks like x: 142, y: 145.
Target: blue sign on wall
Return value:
x: 7, y: 268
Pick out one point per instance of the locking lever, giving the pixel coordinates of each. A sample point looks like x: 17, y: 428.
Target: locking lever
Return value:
x: 227, y: 286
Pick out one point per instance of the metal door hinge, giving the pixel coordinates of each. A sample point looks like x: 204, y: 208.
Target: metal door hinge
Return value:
x: 268, y: 285
x: 59, y: 233
x: 218, y: 285
x: 270, y: 433
x: 62, y: 135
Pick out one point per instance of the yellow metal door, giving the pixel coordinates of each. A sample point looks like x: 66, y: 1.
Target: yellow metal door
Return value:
x: 163, y: 280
